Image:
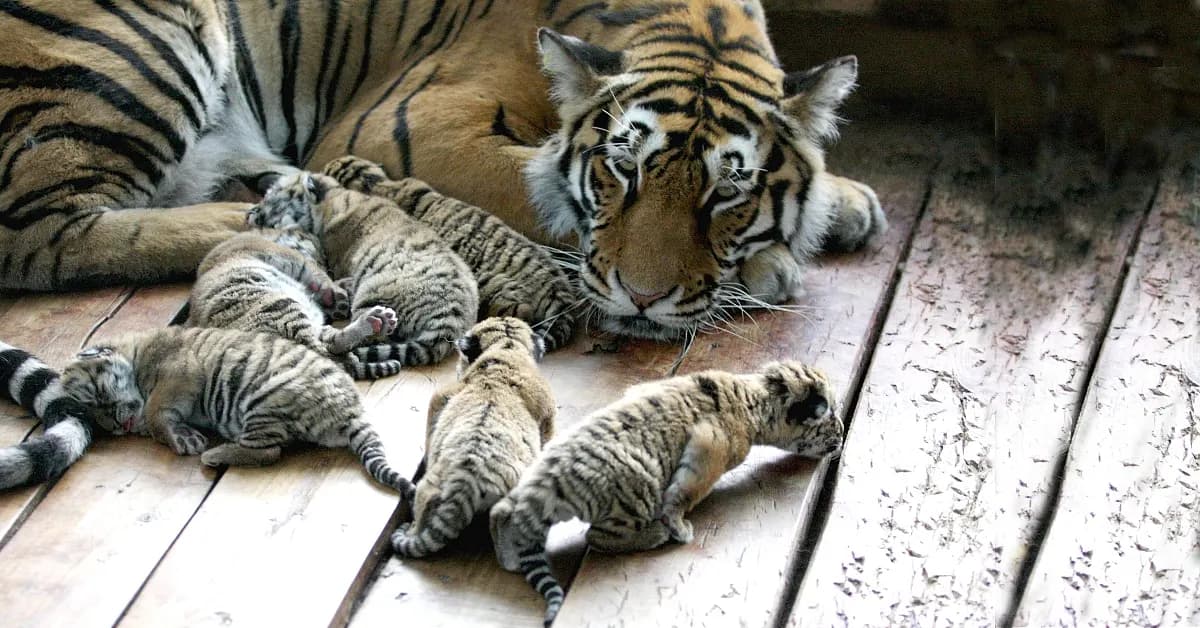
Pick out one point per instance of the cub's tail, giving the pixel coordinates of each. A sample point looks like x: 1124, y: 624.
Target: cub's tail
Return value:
x: 417, y: 351
x: 360, y: 369
x: 35, y: 386
x: 530, y: 560
x: 365, y: 444
x: 444, y: 517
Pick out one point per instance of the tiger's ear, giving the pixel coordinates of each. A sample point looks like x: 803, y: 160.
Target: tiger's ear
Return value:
x: 575, y: 66
x: 812, y: 96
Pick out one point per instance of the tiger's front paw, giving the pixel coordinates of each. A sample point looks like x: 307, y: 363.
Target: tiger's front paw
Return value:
x: 185, y: 440
x: 335, y: 300
x: 858, y: 216
x: 355, y: 173
x: 381, y: 319
x: 772, y: 275
x: 680, y: 529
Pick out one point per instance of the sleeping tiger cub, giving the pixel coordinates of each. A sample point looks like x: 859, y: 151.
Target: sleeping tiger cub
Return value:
x: 388, y: 259
x: 258, y: 391
x: 483, y: 431
x: 267, y: 280
x: 516, y: 276
x: 634, y: 468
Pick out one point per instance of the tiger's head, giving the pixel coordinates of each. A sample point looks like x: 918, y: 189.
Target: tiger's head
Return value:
x: 679, y: 158
x: 292, y: 203
x: 103, y: 380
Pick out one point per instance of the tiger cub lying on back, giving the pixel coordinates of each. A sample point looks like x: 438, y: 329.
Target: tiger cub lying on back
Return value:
x: 483, y: 431
x: 258, y: 391
x: 387, y: 257
x: 634, y: 468
x: 267, y: 280
x: 516, y: 276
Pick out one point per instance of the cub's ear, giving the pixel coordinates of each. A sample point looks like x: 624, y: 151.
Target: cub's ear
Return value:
x: 812, y: 96
x: 316, y: 185
x: 469, y: 347
x: 94, y: 353
x: 575, y: 66
x: 812, y: 407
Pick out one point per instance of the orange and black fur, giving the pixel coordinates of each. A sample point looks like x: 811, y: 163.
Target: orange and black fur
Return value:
x: 663, y: 135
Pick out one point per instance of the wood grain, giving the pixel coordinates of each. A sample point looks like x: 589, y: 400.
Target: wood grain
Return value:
x: 747, y: 531
x: 1123, y: 548
x: 51, y: 326
x: 968, y: 404
x: 84, y: 551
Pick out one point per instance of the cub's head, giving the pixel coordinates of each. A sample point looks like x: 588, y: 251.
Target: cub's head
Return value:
x: 679, y: 158
x: 298, y: 240
x: 292, y: 202
x: 807, y: 421
x: 103, y: 381
x: 502, y: 334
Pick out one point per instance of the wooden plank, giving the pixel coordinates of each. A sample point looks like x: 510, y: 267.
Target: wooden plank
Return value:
x: 968, y: 404
x: 738, y: 568
x: 85, y: 550
x: 289, y: 544
x: 1123, y: 546
x: 51, y: 326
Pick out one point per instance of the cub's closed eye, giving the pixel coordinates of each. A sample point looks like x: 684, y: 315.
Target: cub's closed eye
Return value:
x: 726, y: 191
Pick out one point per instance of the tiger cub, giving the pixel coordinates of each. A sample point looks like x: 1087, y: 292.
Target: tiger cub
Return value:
x: 268, y: 281
x: 634, y: 468
x: 258, y: 391
x: 483, y: 431
x: 387, y: 258
x: 516, y: 276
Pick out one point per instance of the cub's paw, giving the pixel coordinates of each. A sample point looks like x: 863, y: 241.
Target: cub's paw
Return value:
x: 355, y: 173
x: 335, y: 300
x: 680, y: 529
x: 381, y: 319
x: 772, y: 275
x: 185, y: 440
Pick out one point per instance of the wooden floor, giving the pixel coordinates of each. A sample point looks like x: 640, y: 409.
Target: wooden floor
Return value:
x: 1022, y: 390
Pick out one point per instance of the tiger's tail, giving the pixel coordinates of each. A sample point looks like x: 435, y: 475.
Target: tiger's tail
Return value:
x: 413, y: 352
x: 524, y: 555
x: 365, y: 444
x: 443, y: 521
x: 360, y: 369
x: 35, y: 386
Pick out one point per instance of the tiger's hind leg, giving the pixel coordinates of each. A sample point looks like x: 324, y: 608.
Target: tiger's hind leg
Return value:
x: 370, y: 322
x: 235, y: 455
x: 618, y: 536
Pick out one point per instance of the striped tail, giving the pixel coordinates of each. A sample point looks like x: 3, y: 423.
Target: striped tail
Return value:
x: 536, y: 569
x: 365, y: 444
x: 359, y: 369
x: 444, y: 521
x: 410, y: 353
x: 36, y: 387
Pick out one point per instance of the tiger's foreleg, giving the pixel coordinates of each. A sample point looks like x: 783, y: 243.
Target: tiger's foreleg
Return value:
x: 169, y: 406
x: 101, y: 247
x: 857, y: 214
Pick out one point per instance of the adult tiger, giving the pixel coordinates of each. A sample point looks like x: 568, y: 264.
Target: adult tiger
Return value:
x: 666, y: 136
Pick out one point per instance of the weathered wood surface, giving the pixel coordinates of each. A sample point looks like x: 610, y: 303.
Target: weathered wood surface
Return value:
x: 737, y: 571
x: 967, y: 408
x: 87, y: 547
x: 1124, y: 544
x: 51, y: 326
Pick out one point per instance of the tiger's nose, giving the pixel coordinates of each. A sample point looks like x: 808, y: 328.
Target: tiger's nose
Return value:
x: 642, y: 300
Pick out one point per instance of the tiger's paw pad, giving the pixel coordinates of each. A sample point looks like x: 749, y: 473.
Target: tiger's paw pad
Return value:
x: 680, y: 529
x: 336, y: 302
x: 381, y: 319
x: 355, y: 173
x: 186, y: 441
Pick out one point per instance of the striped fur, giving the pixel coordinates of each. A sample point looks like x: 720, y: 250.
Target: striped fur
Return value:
x: 258, y: 391
x: 36, y: 387
x: 636, y: 467
x: 482, y: 432
x: 388, y: 257
x: 516, y: 276
x: 662, y: 134
x: 270, y: 281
